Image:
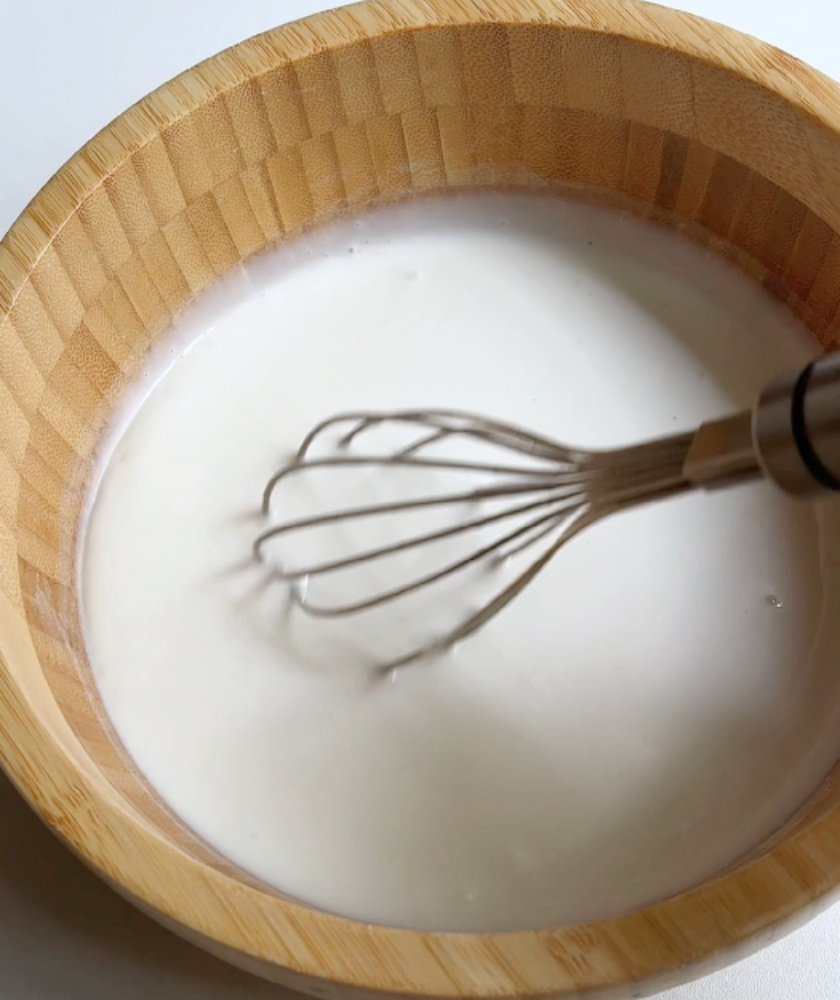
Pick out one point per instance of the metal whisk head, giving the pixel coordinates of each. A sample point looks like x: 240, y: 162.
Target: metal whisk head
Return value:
x: 481, y: 493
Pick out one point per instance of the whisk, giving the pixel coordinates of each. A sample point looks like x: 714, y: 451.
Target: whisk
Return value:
x: 537, y: 494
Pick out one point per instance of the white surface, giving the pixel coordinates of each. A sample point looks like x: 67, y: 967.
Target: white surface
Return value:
x: 469, y: 792
x: 65, y: 70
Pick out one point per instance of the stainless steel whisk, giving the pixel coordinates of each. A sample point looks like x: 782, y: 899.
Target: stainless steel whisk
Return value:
x: 545, y: 491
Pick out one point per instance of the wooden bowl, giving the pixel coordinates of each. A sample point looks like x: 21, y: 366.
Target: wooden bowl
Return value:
x: 731, y: 141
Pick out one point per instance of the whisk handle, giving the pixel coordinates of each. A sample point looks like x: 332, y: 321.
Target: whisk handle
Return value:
x: 796, y: 429
x: 792, y: 436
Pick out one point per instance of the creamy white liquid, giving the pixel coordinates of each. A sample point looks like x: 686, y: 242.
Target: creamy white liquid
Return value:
x: 663, y: 697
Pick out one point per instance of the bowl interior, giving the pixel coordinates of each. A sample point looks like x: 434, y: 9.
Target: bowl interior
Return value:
x: 724, y: 139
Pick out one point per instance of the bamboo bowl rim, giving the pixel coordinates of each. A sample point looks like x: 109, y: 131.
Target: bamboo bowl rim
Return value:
x: 49, y: 768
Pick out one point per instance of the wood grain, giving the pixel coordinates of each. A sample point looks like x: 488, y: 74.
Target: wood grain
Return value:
x: 732, y: 142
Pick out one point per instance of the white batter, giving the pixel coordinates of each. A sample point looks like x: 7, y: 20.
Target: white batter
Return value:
x: 660, y: 700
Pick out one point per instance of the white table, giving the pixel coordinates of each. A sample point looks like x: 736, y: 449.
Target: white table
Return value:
x: 66, y: 69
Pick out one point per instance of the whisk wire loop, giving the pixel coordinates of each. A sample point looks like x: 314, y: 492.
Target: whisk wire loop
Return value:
x: 541, y: 491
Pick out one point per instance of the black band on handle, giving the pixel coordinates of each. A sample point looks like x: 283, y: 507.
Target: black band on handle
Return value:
x: 810, y: 458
